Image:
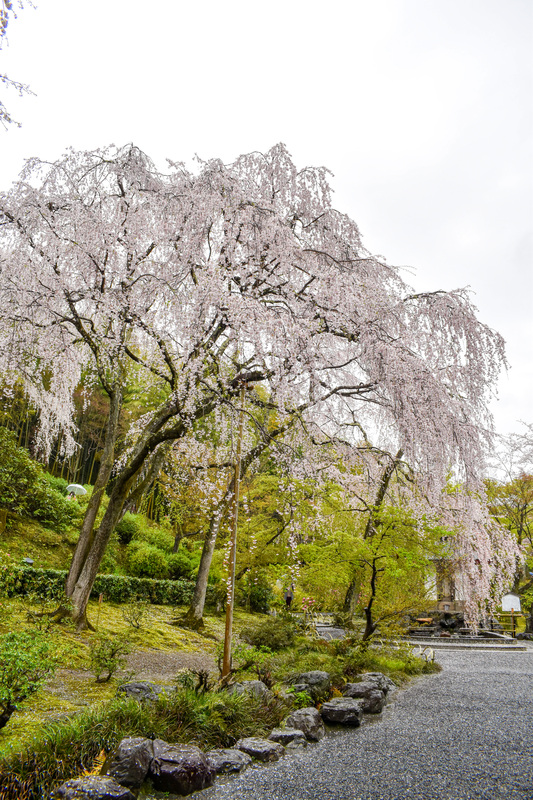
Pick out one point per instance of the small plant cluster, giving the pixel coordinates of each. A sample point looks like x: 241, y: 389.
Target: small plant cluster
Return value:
x: 107, y: 655
x: 308, y: 605
x: 136, y: 614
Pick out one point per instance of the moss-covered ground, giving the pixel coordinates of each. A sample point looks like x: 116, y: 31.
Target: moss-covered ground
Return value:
x: 74, y: 687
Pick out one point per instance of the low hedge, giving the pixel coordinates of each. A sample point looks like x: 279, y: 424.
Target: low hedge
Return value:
x: 116, y: 588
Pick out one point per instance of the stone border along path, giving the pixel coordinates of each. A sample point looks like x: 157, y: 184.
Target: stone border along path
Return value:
x: 463, y: 734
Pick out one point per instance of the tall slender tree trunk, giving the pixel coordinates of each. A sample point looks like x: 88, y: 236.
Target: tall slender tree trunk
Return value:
x: 86, y: 536
x: 350, y: 599
x: 351, y: 592
x: 371, y: 626
x: 194, y: 616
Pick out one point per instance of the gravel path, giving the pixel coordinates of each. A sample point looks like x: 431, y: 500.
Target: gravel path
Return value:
x: 463, y: 734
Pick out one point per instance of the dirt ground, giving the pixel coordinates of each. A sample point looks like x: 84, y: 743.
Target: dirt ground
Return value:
x: 161, y: 667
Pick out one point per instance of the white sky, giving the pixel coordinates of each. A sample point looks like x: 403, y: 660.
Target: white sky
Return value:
x: 423, y: 110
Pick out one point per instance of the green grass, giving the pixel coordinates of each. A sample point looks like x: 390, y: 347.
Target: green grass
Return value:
x: 69, y: 691
x: 68, y: 747
x: 26, y: 538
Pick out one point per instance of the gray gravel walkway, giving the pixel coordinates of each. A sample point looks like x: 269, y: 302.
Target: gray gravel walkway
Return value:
x: 463, y: 734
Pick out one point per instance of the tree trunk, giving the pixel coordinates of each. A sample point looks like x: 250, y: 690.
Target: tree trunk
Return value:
x: 5, y: 716
x: 106, y: 465
x: 370, y: 624
x: 177, y: 541
x: 351, y: 592
x: 351, y: 597
x: 139, y: 491
x: 82, y: 590
x: 194, y: 616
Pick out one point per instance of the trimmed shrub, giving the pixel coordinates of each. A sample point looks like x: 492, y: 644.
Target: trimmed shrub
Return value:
x: 157, y: 536
x: 179, y: 565
x: 146, y: 561
x: 50, y: 583
x: 127, y: 528
x: 25, y: 488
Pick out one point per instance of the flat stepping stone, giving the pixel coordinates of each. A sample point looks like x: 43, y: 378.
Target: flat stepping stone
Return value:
x: 372, y: 697
x: 93, y: 787
x: 261, y: 749
x: 288, y: 736
x: 228, y: 760
x: 309, y: 721
x: 343, y: 711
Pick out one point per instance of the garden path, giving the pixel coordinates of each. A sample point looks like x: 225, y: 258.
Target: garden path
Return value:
x: 463, y: 734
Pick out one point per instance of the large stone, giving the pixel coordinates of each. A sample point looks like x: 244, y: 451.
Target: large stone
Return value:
x: 261, y: 749
x: 317, y: 683
x: 379, y: 679
x: 94, y: 787
x: 257, y: 688
x: 140, y: 690
x: 372, y: 697
x: 179, y: 768
x: 309, y: 721
x: 343, y: 711
x: 227, y: 760
x: 292, y: 737
x: 129, y: 763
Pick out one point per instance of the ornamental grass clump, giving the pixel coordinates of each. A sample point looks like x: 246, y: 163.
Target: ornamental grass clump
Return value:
x: 68, y: 748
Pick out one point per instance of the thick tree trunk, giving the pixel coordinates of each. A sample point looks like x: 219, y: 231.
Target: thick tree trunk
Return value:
x: 84, y: 584
x: 106, y: 465
x: 6, y: 714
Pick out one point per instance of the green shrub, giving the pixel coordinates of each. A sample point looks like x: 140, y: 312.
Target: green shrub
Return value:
x: 25, y: 488
x: 136, y: 613
x: 19, y: 475
x: 273, y: 632
x: 157, y: 536
x: 107, y: 655
x: 57, y: 484
x: 8, y: 575
x: 50, y: 583
x: 146, y: 561
x: 26, y: 661
x: 179, y: 565
x: 128, y: 527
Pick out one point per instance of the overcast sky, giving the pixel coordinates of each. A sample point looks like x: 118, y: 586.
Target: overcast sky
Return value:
x: 422, y: 109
